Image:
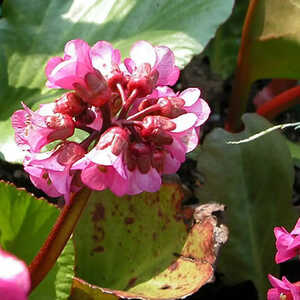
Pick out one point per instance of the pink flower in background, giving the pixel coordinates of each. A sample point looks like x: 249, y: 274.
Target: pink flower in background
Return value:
x: 283, y: 289
x: 287, y: 244
x: 34, y: 130
x: 14, y: 277
x: 136, y: 127
x: 51, y: 171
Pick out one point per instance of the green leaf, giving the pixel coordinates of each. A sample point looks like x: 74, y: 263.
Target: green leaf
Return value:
x: 223, y: 49
x: 140, y: 247
x: 25, y: 223
x: 295, y: 152
x: 31, y: 33
x: 255, y: 181
x: 274, y: 40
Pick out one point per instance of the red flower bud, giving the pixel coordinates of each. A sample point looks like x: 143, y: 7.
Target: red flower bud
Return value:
x: 69, y: 104
x: 63, y: 124
x: 158, y: 160
x: 152, y: 122
x: 171, y: 107
x: 86, y: 117
x: 146, y: 103
x: 69, y: 153
x: 143, y: 80
x: 114, y: 137
x: 160, y: 137
x: 142, y: 154
x: 117, y: 78
x: 97, y: 91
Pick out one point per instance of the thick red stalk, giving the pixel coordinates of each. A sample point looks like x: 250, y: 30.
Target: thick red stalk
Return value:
x: 58, y: 237
x: 242, y: 83
x: 280, y: 103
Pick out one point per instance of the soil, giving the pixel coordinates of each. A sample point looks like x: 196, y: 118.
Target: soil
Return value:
x: 216, y: 91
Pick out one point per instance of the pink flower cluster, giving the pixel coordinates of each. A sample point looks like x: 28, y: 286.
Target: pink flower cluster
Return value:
x: 137, y: 127
x: 288, y: 246
x: 14, y: 277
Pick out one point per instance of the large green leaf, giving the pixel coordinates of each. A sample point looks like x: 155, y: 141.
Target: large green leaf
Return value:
x: 31, y: 32
x: 140, y: 247
x: 223, y: 49
x: 255, y: 181
x: 25, y: 223
x: 295, y: 152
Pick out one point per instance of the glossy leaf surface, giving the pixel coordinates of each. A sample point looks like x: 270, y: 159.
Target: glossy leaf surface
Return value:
x: 31, y: 33
x: 255, y: 181
x: 140, y: 247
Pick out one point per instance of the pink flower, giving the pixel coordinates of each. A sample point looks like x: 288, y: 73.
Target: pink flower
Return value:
x: 139, y: 154
x: 73, y: 67
x: 150, y: 66
x: 136, y: 128
x: 287, y: 244
x: 51, y: 171
x: 107, y: 60
x: 75, y: 71
x: 14, y: 277
x: 33, y: 130
x: 283, y: 290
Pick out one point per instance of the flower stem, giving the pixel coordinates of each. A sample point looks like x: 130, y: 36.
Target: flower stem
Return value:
x: 122, y: 93
x: 147, y: 111
x: 243, y: 81
x: 106, y: 116
x: 127, y: 105
x: 58, y: 237
x: 280, y: 103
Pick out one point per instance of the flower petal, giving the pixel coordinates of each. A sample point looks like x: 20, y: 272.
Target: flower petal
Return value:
x: 143, y: 52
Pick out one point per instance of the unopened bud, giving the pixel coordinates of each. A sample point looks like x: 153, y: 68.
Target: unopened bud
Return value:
x: 142, y: 154
x: 152, y: 122
x: 171, y: 107
x: 146, y: 103
x: 115, y: 79
x: 63, y: 124
x: 69, y: 104
x: 69, y: 153
x: 130, y: 160
x: 86, y: 117
x: 96, y: 91
x: 160, y: 137
x: 143, y: 80
x: 116, y: 138
x: 157, y: 161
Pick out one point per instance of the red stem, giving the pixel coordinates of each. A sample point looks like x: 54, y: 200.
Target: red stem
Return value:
x: 242, y: 83
x: 147, y: 111
x: 280, y: 103
x: 58, y: 237
x: 127, y: 105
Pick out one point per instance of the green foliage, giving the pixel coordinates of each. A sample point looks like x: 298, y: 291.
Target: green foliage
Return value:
x: 25, y: 223
x: 295, y: 152
x: 32, y: 32
x: 139, y: 246
x: 223, y: 49
x: 255, y: 181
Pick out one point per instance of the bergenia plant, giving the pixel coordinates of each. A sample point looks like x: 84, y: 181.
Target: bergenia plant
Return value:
x: 95, y: 105
x: 138, y: 127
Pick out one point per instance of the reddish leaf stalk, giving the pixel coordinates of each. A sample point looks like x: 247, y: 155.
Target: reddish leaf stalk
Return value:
x: 280, y: 103
x: 58, y: 237
x: 242, y: 82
